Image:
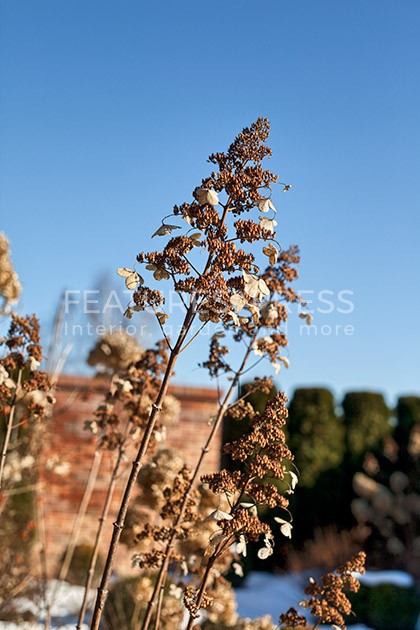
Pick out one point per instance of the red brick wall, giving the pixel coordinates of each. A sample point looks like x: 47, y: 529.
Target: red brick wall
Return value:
x: 77, y: 398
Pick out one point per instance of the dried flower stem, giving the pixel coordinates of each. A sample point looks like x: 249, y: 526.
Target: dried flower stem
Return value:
x: 160, y: 580
x: 101, y: 523
x: 40, y: 525
x: 136, y: 466
x: 159, y: 608
x: 79, y: 519
x: 201, y: 590
x: 80, y: 515
x: 9, y: 428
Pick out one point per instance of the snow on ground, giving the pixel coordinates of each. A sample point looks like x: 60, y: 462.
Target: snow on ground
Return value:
x: 265, y: 593
x: 66, y: 602
x: 374, y: 578
x: 262, y: 594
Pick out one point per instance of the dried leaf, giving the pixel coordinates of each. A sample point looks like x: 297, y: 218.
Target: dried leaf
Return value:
x: 241, y: 546
x: 218, y: 515
x: 272, y: 252
x: 125, y: 272
x: 265, y: 204
x: 255, y: 312
x: 294, y: 479
x: 132, y: 278
x: 162, y: 317
x: 158, y: 272
x: 306, y: 316
x: 132, y: 281
x: 270, y: 313
x: 195, y: 239
x: 238, y: 569
x: 164, y: 229
x: 33, y: 364
x: 268, y: 224
x: 265, y: 552
x: 285, y: 527
x: 285, y: 361
x: 255, y: 287
x: 235, y: 318
x: 238, y: 302
x: 206, y: 196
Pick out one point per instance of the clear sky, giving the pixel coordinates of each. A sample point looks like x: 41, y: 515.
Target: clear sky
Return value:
x: 109, y: 110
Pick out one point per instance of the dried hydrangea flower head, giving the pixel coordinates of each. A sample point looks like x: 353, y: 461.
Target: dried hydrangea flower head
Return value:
x: 389, y: 511
x: 25, y: 401
x: 328, y: 602
x: 151, y: 521
x: 115, y: 351
x: 266, y: 459
x: 10, y: 287
x: 19, y: 373
x: 124, y: 610
x: 126, y: 408
x: 229, y: 289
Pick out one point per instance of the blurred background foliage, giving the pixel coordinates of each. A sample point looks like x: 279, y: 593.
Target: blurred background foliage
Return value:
x: 358, y: 463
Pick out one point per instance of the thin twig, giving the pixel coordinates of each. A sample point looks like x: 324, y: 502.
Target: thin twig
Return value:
x: 168, y: 343
x: 80, y: 516
x: 200, y: 593
x: 159, y: 608
x: 194, y: 336
x: 40, y: 518
x: 101, y: 523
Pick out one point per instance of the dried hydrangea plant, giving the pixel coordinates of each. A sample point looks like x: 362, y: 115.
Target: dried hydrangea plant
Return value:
x: 231, y: 219
x: 115, y: 351
x: 10, y: 287
x: 26, y: 399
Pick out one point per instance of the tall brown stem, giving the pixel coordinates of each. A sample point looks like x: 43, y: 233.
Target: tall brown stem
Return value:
x: 138, y: 462
x: 136, y: 467
x: 42, y: 538
x: 201, y: 590
x: 102, y: 520
x: 206, y: 448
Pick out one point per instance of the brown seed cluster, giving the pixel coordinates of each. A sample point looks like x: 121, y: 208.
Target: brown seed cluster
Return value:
x: 152, y: 521
x: 292, y: 619
x: 19, y: 374
x: 328, y: 602
x: 213, y: 290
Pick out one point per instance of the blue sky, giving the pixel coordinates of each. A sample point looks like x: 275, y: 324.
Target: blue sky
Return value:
x: 109, y: 110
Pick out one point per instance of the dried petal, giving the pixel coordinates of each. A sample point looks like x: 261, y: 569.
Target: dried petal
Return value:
x: 164, y: 229
x: 206, y: 196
